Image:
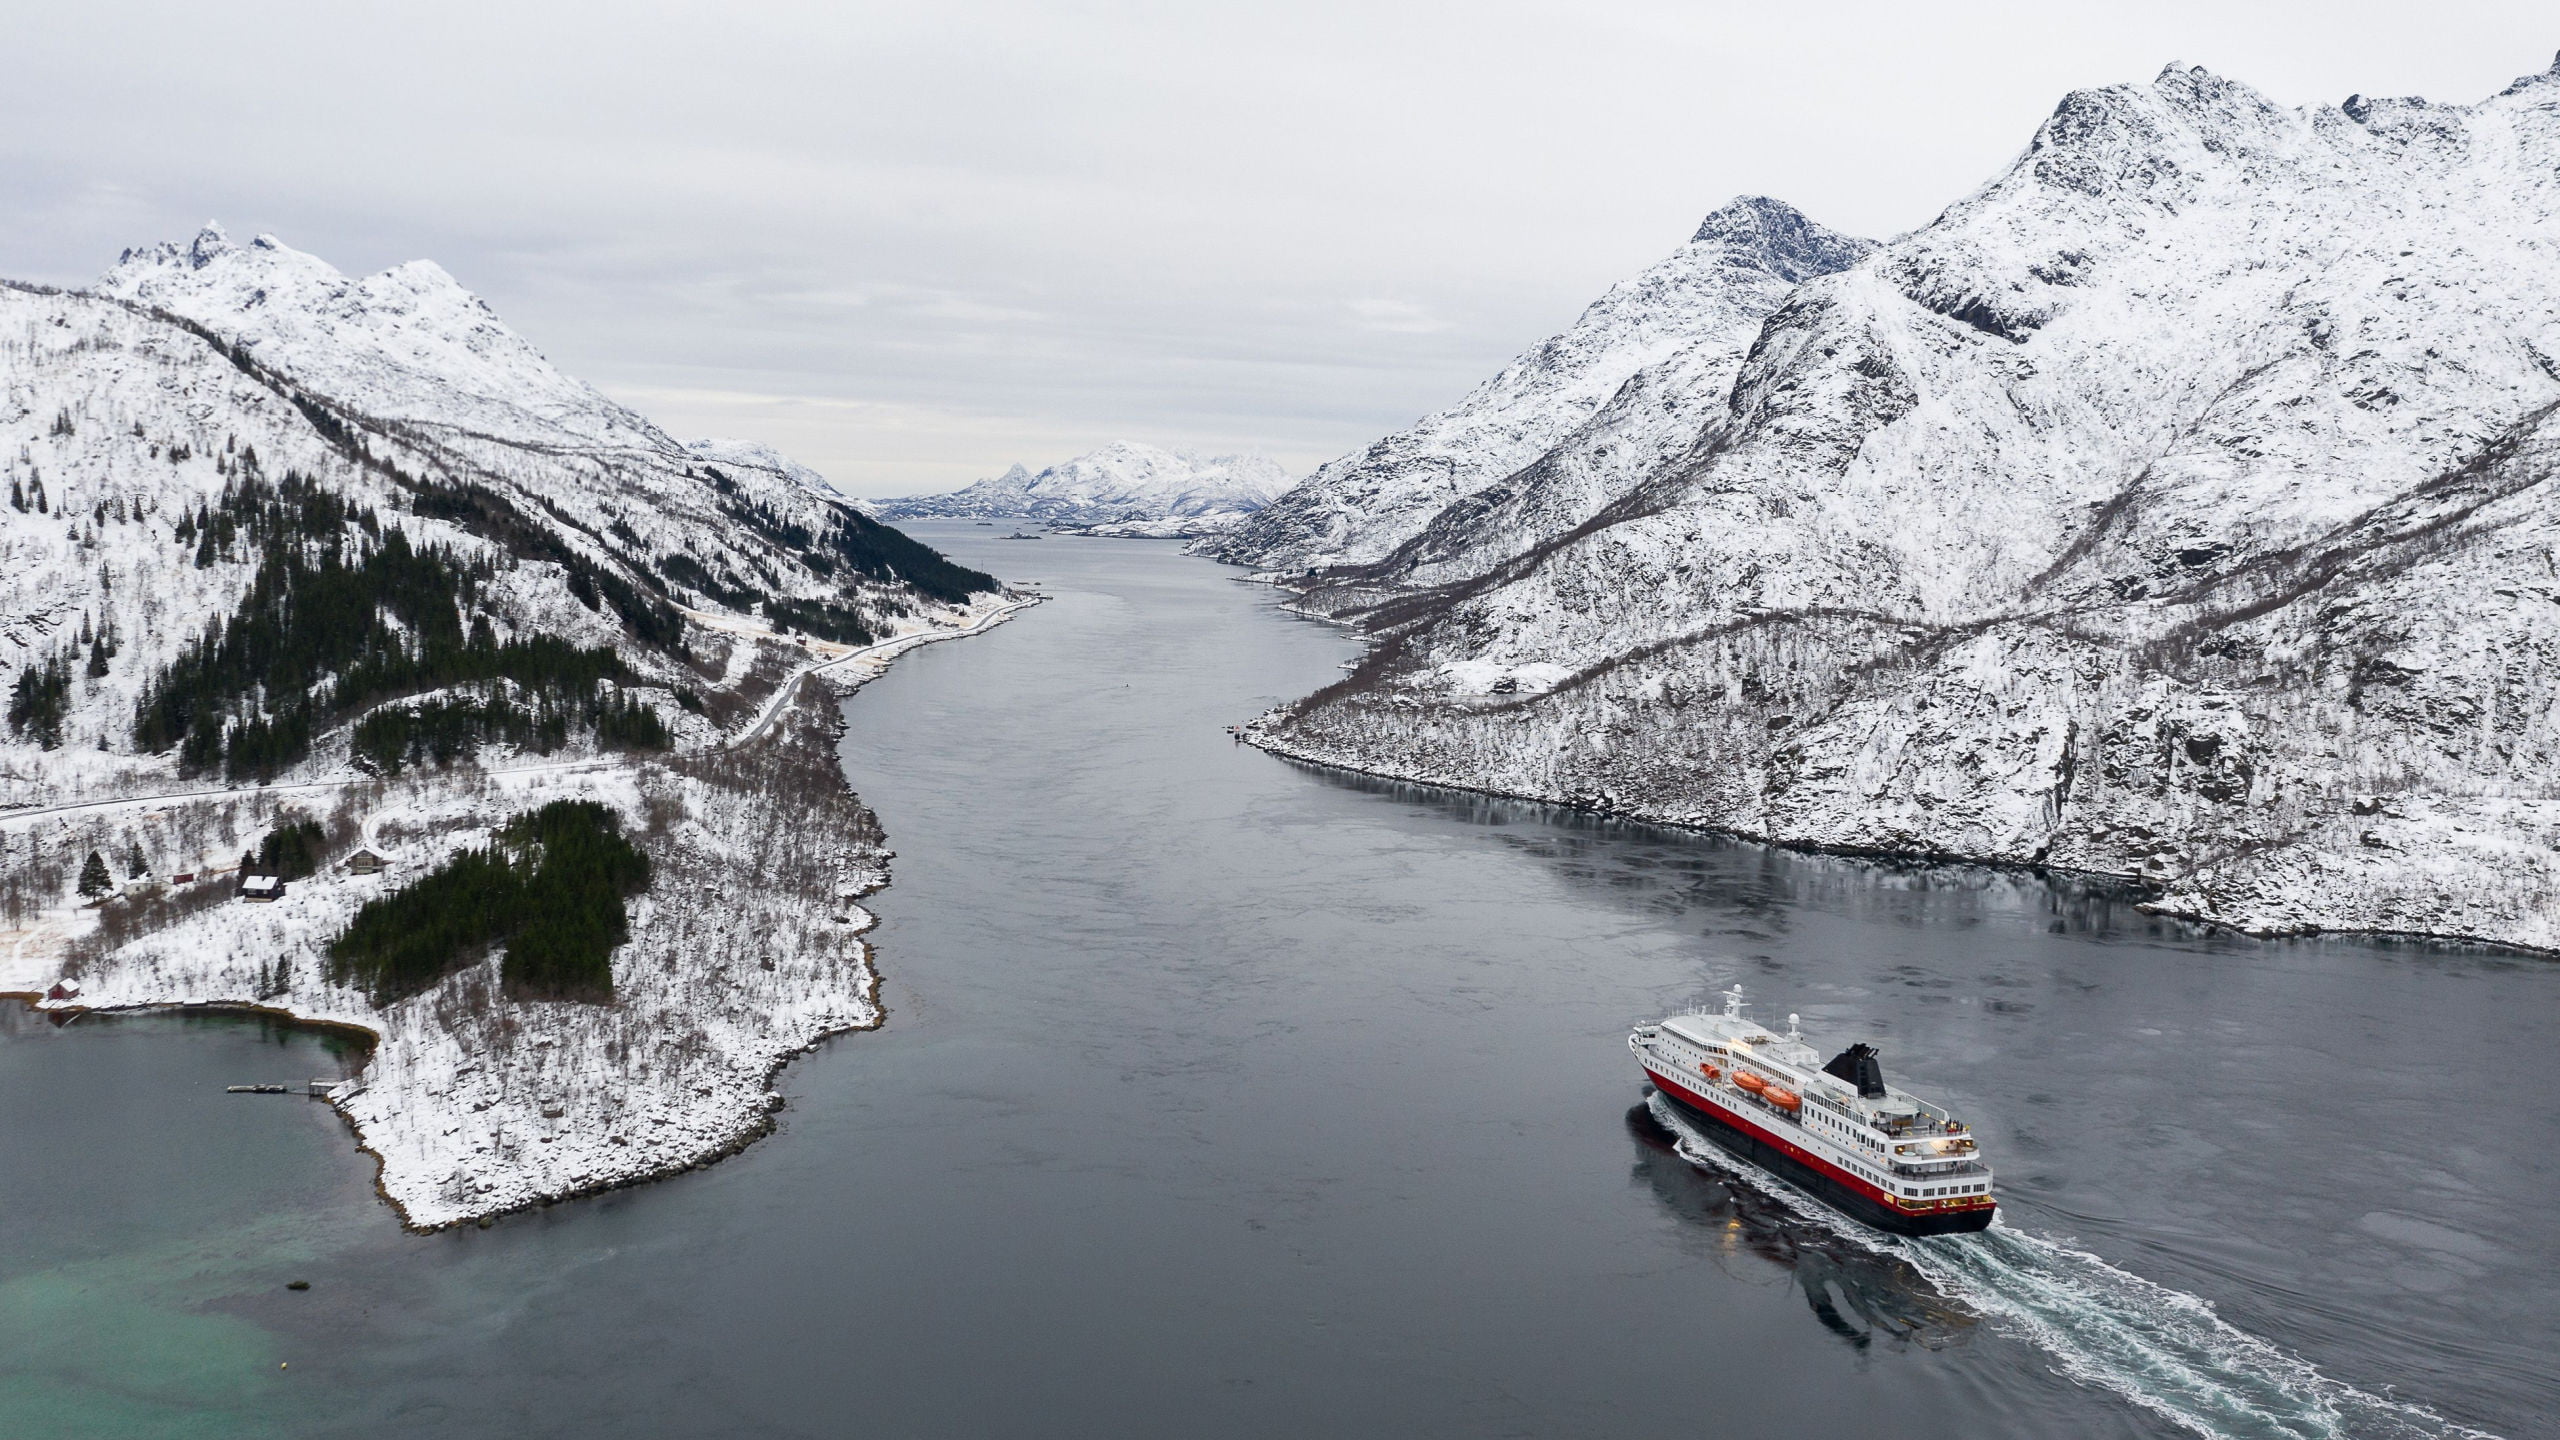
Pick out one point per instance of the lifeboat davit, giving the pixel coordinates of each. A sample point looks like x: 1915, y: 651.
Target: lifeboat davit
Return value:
x: 1750, y: 1082
x: 1782, y: 1098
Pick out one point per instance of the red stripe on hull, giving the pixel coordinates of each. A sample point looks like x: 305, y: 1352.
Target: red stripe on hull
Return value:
x: 1968, y: 1213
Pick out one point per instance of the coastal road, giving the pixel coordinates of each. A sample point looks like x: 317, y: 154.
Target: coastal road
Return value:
x: 30, y: 957
x: 881, y: 651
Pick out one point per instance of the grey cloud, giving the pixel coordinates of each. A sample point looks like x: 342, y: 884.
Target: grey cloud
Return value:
x: 915, y: 243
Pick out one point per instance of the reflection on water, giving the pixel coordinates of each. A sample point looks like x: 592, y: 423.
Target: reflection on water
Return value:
x: 1856, y: 1292
x: 1673, y: 871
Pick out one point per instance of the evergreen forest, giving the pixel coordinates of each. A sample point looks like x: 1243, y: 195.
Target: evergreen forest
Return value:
x: 333, y: 626
x: 549, y: 886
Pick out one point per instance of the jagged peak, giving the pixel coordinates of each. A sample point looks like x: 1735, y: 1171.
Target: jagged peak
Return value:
x: 2193, y: 89
x: 1779, y: 238
x: 211, y: 249
x: 210, y: 243
x: 2535, y: 80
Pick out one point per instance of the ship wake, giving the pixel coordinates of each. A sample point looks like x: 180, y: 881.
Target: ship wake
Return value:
x: 2163, y: 1350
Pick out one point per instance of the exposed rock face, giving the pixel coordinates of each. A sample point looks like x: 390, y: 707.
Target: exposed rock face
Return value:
x: 2175, y: 506
x: 1124, y: 488
x: 1623, y: 389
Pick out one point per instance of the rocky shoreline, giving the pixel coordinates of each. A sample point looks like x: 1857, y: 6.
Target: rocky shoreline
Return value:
x: 2173, y: 898
x: 746, y: 953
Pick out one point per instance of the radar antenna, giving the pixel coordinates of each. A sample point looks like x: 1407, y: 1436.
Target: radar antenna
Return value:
x: 1733, y: 1002
x: 1795, y: 1031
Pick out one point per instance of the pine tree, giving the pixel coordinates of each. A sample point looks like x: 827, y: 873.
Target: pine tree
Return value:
x: 39, y: 700
x: 39, y: 489
x: 97, y: 658
x: 17, y: 496
x: 134, y: 865
x: 94, y: 879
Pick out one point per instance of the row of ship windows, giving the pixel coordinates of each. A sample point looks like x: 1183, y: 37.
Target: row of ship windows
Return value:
x: 1925, y: 1193
x: 1848, y: 1132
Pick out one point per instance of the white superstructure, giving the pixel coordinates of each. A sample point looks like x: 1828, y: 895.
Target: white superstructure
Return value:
x: 1893, y: 1157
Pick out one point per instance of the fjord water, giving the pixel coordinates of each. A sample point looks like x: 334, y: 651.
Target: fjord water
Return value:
x: 1220, y: 1096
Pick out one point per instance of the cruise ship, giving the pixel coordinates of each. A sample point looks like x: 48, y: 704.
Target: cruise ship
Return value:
x: 1883, y: 1155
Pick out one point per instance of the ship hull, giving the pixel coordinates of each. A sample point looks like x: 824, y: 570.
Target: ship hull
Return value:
x: 1750, y: 1146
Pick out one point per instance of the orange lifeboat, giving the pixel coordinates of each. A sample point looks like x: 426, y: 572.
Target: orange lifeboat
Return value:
x: 1750, y: 1082
x: 1709, y: 1071
x: 1783, y: 1099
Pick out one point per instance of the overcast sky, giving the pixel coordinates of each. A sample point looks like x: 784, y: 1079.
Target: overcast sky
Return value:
x: 912, y: 243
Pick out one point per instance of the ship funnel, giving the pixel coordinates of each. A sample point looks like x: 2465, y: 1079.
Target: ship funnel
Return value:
x: 1859, y: 1066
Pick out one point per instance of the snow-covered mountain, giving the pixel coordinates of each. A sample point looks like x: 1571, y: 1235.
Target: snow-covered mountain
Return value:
x: 1577, y: 418
x: 1124, y: 488
x: 2175, y: 506
x: 266, y: 523
x: 217, y: 424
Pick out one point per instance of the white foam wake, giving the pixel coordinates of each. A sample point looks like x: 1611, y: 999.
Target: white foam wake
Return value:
x: 2163, y: 1350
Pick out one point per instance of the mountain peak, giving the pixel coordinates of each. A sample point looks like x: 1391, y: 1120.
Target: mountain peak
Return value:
x: 2537, y: 78
x: 1778, y: 238
x: 210, y: 242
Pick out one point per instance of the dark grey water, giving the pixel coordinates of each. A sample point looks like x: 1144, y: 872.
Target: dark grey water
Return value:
x: 1220, y: 1096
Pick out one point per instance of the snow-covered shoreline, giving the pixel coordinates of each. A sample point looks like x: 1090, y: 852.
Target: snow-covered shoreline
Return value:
x: 2262, y: 920
x: 746, y: 952
x: 2273, y: 905
x: 2174, y: 507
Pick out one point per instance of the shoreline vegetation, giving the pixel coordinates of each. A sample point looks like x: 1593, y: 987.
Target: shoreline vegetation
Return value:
x: 2144, y: 895
x: 1269, y: 733
x: 477, y: 1097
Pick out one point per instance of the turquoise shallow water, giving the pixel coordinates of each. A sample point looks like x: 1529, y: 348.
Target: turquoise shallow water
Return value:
x: 149, y: 1215
x: 1222, y: 1096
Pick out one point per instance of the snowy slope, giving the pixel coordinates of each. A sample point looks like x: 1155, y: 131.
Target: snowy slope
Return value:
x: 408, y: 344
x: 305, y: 504
x: 2174, y: 506
x: 735, y: 456
x: 410, y: 356
x: 194, y: 368
x: 1125, y: 486
x: 1677, y: 330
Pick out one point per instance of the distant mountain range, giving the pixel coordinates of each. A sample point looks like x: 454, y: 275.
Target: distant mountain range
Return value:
x: 1125, y: 488
x: 2173, y: 507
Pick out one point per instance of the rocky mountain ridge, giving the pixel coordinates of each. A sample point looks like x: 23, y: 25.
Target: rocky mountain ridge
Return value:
x: 295, y: 566
x: 2172, y: 507
x: 1124, y: 488
x: 1576, y: 418
x: 217, y: 418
